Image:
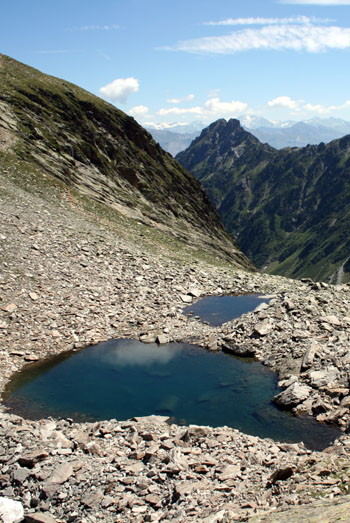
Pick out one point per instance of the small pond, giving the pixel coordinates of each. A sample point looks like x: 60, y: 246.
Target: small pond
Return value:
x: 125, y: 378
x: 217, y: 310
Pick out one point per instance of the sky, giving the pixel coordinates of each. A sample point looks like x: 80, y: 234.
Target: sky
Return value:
x: 168, y: 62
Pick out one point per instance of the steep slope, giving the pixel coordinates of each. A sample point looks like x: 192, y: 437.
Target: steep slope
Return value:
x: 90, y: 145
x: 289, y: 210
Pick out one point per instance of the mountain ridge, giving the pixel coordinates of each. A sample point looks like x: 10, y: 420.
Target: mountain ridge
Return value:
x: 287, y: 209
x: 90, y: 145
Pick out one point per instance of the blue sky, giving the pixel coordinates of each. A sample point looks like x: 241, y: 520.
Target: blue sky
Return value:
x: 168, y: 62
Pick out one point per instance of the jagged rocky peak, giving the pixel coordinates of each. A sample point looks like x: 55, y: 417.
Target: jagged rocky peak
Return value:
x: 222, y: 145
x: 225, y: 136
x: 66, y: 132
x: 230, y: 130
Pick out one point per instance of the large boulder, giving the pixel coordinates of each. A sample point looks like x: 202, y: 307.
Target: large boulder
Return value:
x: 10, y: 511
x: 322, y: 378
x: 292, y: 396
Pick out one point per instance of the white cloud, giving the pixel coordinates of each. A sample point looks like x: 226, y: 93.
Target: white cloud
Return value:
x: 322, y: 109
x: 211, y: 109
x: 187, y: 98
x: 285, y: 101
x: 93, y: 28
x: 180, y: 110
x: 138, y: 111
x: 120, y: 89
x: 268, y: 21
x: 316, y: 2
x: 214, y: 106
x: 307, y: 37
x: 164, y: 125
x: 319, y: 108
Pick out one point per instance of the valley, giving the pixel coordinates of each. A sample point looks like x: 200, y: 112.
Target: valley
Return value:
x: 288, y: 209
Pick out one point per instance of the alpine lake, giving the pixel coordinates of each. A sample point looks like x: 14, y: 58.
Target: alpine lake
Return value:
x: 124, y: 378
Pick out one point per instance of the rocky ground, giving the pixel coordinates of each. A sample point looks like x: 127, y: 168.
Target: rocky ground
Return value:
x: 70, y: 279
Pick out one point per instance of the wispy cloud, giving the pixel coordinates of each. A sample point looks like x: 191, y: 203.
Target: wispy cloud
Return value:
x: 74, y: 29
x: 187, y: 98
x: 316, y: 2
x: 120, y: 89
x: 214, y: 93
x: 103, y: 54
x: 60, y: 51
x: 164, y: 125
x: 269, y: 21
x: 307, y: 37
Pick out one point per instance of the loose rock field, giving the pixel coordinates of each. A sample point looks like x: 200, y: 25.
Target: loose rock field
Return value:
x: 69, y: 280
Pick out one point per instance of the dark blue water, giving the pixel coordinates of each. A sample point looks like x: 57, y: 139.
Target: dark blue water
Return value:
x: 125, y: 378
x: 217, y: 310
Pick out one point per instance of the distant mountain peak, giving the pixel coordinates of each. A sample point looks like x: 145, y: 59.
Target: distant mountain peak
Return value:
x: 222, y: 146
x: 229, y: 133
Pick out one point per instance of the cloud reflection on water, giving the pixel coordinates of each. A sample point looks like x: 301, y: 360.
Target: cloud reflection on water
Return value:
x: 132, y: 353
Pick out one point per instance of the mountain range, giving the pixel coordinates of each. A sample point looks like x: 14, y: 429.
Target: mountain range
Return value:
x: 54, y: 127
x: 289, y: 209
x: 297, y: 134
x: 277, y: 134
